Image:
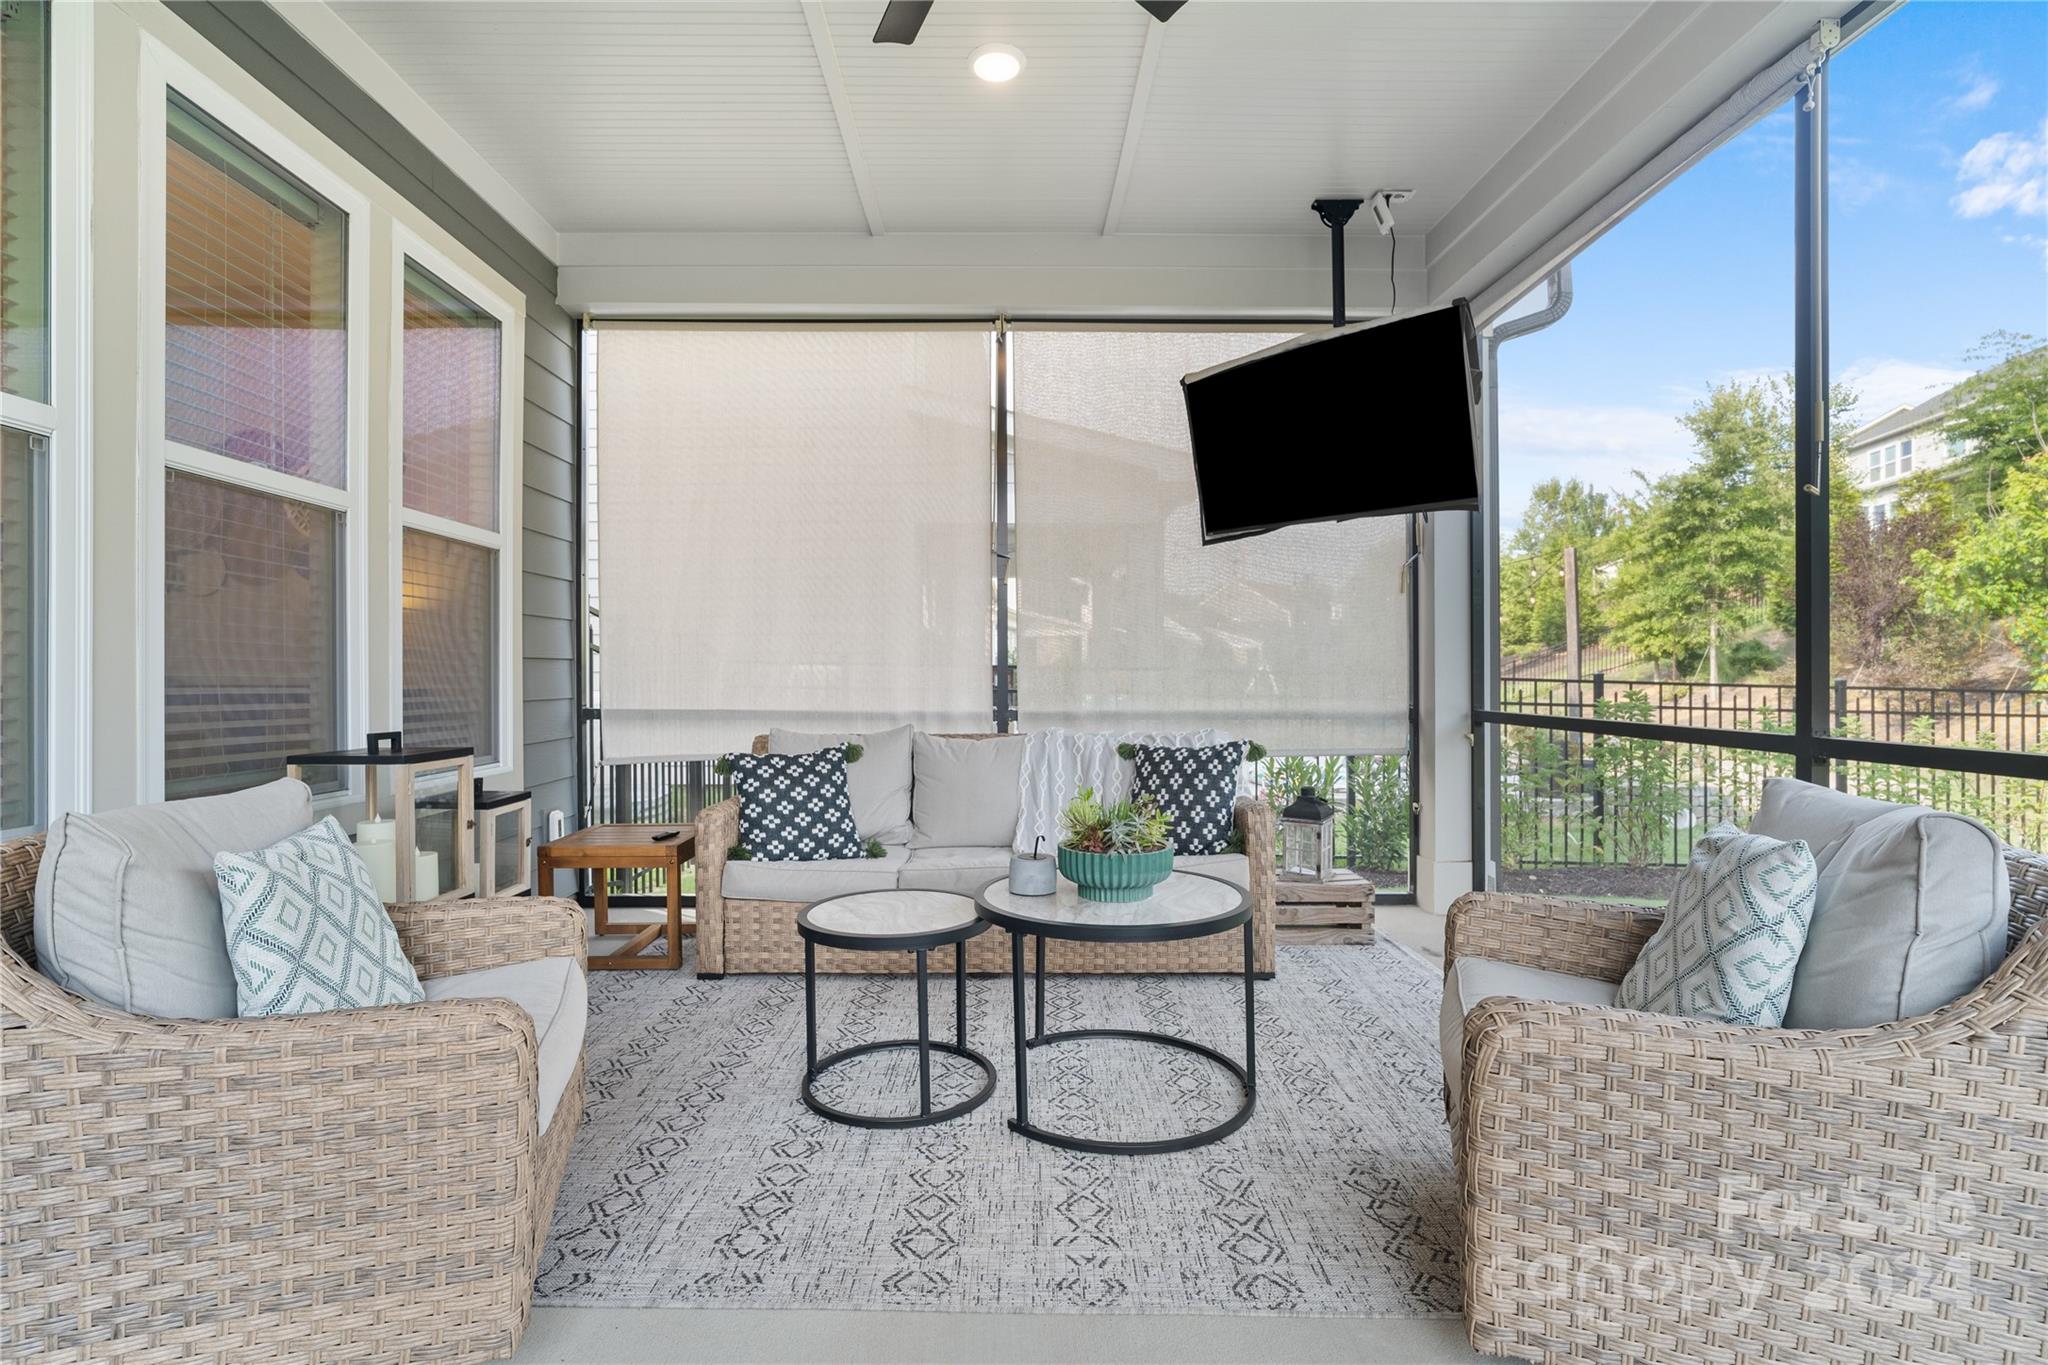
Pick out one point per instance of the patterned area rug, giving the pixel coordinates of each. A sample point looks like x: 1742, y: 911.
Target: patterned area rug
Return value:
x: 700, y: 1178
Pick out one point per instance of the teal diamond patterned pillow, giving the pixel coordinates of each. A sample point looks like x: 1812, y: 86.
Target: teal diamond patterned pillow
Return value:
x: 306, y: 931
x: 1732, y: 935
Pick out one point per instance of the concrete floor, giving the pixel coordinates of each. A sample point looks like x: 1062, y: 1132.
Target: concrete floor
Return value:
x: 599, y: 1336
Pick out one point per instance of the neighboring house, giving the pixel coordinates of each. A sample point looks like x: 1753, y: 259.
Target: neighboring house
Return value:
x: 1882, y: 453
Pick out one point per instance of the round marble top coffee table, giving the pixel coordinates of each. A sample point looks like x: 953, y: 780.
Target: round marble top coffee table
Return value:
x: 894, y: 921
x: 1185, y: 905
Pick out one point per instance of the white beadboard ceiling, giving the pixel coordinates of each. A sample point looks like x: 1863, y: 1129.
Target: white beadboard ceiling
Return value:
x: 760, y: 117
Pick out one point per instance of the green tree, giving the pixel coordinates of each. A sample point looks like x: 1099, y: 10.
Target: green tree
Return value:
x: 1999, y: 567
x: 1701, y: 552
x: 1561, y: 513
x: 1999, y: 415
x: 1886, y: 627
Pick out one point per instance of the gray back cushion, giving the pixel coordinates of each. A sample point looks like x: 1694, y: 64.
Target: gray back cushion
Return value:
x: 1909, y: 911
x: 127, y: 909
x: 877, y: 783
x: 965, y: 792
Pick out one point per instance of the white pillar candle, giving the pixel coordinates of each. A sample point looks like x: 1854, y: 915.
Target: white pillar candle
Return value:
x: 376, y: 845
x: 426, y: 874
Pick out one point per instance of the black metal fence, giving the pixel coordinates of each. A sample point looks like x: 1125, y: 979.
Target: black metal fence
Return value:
x: 1604, y: 814
x: 2012, y: 720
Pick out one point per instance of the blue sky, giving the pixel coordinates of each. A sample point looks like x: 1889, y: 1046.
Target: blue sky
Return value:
x: 1939, y: 236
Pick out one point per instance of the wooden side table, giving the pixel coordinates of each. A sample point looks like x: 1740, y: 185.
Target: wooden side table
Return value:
x: 1335, y: 911
x: 605, y: 848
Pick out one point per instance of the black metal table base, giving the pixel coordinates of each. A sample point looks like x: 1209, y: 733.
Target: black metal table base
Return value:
x: 1037, y: 1037
x: 815, y: 1066
x: 926, y: 1114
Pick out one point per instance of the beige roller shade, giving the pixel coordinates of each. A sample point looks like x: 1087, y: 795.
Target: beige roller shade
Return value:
x: 1298, y: 639
x: 793, y: 530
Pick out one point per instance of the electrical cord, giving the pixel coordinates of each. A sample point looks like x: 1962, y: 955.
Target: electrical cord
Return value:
x: 1393, y: 289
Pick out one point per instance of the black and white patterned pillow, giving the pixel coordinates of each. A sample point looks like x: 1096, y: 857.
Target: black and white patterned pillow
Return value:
x: 1198, y: 787
x: 794, y: 807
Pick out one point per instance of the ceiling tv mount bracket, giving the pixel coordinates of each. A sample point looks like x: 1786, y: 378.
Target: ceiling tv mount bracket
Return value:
x: 1335, y: 212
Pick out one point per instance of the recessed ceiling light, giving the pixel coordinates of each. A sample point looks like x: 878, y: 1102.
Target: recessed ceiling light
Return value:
x: 997, y: 62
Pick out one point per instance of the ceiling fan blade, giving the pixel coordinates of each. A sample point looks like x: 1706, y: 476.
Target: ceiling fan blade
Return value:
x: 901, y: 21
x: 1162, y: 10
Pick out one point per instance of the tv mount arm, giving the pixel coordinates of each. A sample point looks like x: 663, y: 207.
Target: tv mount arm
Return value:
x: 1335, y: 213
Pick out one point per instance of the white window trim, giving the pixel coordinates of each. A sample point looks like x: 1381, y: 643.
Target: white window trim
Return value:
x: 409, y: 245
x: 65, y: 422
x: 162, y: 72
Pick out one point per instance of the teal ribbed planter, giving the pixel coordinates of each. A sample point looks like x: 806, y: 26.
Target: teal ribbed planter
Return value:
x: 1116, y: 876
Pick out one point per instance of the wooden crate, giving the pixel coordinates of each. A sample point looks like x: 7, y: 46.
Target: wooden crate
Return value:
x: 1336, y: 911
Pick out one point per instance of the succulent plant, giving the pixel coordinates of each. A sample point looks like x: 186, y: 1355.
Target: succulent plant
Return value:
x: 1137, y: 826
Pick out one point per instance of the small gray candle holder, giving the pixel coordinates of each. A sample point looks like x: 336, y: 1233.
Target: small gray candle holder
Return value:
x: 1034, y: 873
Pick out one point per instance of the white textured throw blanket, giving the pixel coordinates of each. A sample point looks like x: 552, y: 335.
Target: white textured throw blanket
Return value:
x: 1059, y: 763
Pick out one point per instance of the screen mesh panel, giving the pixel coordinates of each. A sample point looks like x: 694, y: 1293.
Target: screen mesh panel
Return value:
x: 452, y: 366
x: 255, y: 285
x: 795, y: 531
x: 252, y: 630
x: 451, y: 663
x: 22, y: 604
x: 1297, y: 639
x: 25, y: 200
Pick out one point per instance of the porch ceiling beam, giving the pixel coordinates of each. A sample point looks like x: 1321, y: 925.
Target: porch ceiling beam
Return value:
x: 1134, y: 125
x: 842, y: 110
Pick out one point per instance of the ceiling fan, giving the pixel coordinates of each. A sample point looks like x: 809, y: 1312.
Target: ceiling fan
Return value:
x: 903, y: 18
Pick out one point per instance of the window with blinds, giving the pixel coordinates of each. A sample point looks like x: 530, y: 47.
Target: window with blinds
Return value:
x: 255, y: 290
x: 252, y: 635
x: 452, y: 375
x: 1298, y: 639
x: 25, y: 199
x: 450, y: 644
x: 453, y: 357
x: 23, y: 604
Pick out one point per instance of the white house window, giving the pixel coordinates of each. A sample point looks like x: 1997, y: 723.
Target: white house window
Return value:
x: 1891, y: 461
x: 1906, y: 456
x: 1876, y: 464
x: 23, y: 612
x: 25, y: 201
x: 256, y: 456
x: 453, y: 359
x: 25, y: 278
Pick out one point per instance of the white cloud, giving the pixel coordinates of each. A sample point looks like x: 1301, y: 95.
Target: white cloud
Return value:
x: 1598, y: 445
x: 1978, y: 90
x: 1853, y: 182
x: 1882, y: 383
x: 2004, y: 171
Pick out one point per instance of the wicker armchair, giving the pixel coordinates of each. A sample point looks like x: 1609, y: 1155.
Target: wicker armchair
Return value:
x: 362, y: 1185
x: 1644, y: 1188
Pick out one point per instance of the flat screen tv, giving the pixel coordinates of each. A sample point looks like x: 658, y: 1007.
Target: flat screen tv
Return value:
x: 1374, y: 420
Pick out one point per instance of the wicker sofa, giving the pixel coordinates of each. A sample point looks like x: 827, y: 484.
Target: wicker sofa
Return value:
x: 362, y: 1185
x: 1640, y: 1188
x: 735, y: 935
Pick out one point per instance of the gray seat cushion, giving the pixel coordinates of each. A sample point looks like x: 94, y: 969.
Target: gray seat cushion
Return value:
x: 1909, y: 910
x: 878, y: 782
x: 965, y: 793
x: 1473, y: 979
x: 127, y: 909
x: 960, y: 870
x: 814, y: 880
x: 550, y: 989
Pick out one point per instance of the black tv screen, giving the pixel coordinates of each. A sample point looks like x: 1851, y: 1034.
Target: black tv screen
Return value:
x: 1375, y: 420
